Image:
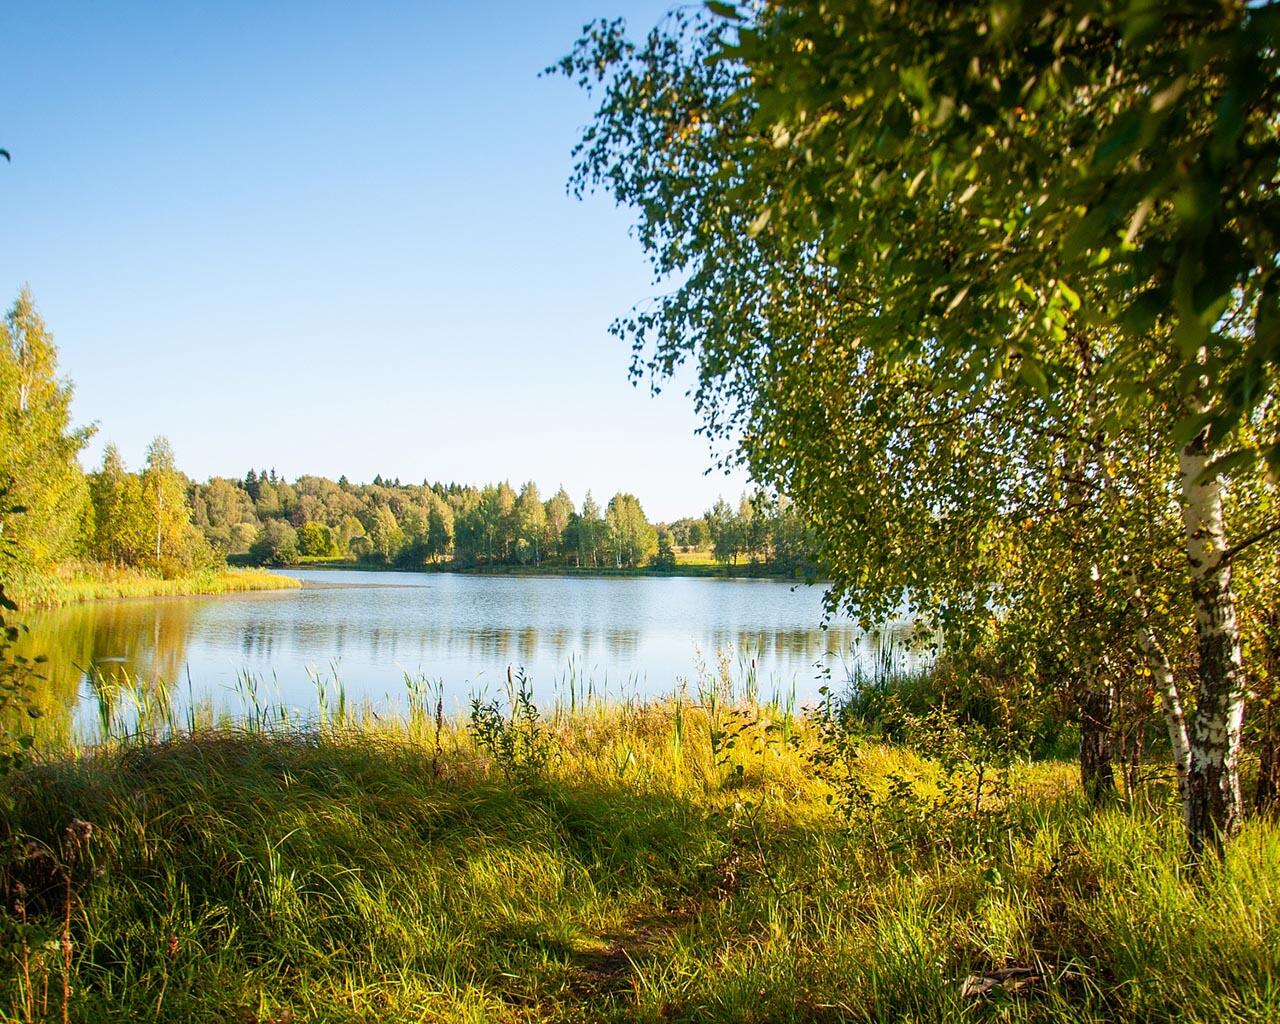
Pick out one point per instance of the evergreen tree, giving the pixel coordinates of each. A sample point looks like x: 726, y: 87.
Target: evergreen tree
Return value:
x: 665, y: 558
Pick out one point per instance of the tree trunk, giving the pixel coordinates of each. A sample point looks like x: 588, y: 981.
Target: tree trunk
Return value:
x: 1266, y: 797
x: 1213, y: 782
x: 1175, y: 718
x: 1130, y: 752
x: 1097, y: 772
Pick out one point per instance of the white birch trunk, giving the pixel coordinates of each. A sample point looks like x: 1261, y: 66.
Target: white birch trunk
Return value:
x: 1213, y: 782
x: 1175, y: 718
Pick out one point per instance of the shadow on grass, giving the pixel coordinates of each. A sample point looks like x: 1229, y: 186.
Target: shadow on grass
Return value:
x: 306, y: 861
x: 341, y: 877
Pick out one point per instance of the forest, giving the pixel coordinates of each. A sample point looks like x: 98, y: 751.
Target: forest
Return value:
x: 386, y: 523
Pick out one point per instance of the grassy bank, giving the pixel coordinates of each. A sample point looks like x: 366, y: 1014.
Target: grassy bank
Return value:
x: 81, y: 582
x: 641, y: 862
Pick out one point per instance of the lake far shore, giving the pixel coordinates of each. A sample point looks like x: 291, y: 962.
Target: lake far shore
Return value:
x: 695, y: 570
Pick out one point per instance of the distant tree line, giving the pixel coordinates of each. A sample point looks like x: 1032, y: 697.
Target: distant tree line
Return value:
x: 158, y: 520
x: 271, y: 521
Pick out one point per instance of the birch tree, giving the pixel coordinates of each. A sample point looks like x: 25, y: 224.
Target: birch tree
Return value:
x: 122, y: 533
x: 164, y: 493
x: 559, y: 510
x: 530, y: 517
x: 631, y: 539
x: 950, y: 197
x: 38, y: 445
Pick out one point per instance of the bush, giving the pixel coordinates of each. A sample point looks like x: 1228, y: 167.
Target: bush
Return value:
x: 315, y: 540
x: 516, y: 739
x: 665, y: 558
x: 982, y: 698
x: 276, y: 544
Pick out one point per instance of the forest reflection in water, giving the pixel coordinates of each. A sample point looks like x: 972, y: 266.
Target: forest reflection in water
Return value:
x: 639, y: 636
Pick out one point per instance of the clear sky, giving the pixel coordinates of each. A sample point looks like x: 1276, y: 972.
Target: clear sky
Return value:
x: 333, y: 238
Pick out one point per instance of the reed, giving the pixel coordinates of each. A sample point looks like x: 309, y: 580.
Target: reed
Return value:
x: 80, y: 582
x: 355, y: 865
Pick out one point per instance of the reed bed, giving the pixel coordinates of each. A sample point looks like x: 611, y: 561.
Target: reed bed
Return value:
x: 81, y: 582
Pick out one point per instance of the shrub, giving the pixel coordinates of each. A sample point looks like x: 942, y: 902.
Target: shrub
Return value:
x: 276, y: 544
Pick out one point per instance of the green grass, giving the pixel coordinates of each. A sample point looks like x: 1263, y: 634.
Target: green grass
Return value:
x: 368, y: 869
x: 685, y: 556
x: 81, y: 582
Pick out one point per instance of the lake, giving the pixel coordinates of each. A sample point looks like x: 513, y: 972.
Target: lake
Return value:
x: 613, y: 636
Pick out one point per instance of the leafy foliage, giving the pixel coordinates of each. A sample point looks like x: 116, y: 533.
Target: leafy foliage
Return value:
x: 907, y: 245
x: 38, y: 447
x: 514, y: 737
x: 17, y: 672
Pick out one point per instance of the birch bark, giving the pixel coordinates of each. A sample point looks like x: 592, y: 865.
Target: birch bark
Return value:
x: 1213, y: 797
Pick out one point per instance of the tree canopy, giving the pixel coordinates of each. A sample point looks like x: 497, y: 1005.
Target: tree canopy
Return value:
x: 38, y: 446
x: 986, y: 289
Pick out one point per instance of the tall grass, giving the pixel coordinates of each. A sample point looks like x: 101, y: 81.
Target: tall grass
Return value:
x: 679, y: 859
x: 80, y: 582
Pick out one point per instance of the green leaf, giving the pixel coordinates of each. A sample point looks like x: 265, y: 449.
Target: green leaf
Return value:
x: 1232, y: 462
x: 1032, y: 373
x: 1141, y: 316
x: 1121, y: 140
x: 1188, y: 427
x: 1087, y: 233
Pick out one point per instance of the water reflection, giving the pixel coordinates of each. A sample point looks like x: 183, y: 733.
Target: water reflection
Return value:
x: 141, y: 641
x: 464, y: 630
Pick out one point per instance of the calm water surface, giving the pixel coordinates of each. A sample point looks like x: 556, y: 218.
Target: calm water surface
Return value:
x: 641, y: 636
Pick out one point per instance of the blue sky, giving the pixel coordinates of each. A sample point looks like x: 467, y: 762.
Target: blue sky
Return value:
x: 333, y: 238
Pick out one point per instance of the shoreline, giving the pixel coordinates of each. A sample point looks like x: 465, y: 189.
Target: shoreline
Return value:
x: 692, y: 571
x: 612, y: 842
x: 58, y: 592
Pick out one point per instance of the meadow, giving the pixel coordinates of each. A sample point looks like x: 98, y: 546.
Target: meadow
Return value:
x: 712, y: 856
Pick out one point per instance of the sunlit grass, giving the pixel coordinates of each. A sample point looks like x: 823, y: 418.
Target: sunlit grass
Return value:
x: 80, y: 582
x: 357, y: 865
x: 699, y: 556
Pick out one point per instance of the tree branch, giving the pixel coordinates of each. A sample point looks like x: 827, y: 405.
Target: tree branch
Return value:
x: 1235, y: 549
